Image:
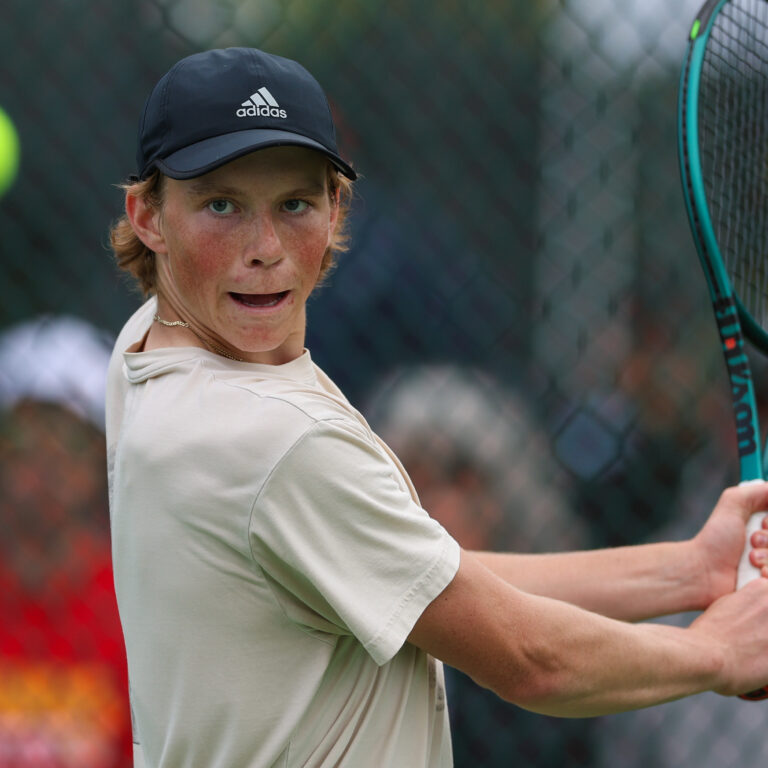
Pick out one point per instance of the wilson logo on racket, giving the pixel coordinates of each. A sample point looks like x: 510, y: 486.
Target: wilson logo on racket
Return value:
x: 261, y: 103
x: 738, y: 369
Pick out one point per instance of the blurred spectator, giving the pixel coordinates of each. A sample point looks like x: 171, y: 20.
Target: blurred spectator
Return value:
x: 483, y: 469
x: 63, y: 679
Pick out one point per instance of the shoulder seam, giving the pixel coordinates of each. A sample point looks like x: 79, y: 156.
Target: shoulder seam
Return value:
x: 317, y: 423
x: 285, y: 400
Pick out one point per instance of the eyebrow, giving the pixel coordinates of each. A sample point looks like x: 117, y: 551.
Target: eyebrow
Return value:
x: 201, y: 187
x: 313, y: 190
x: 206, y: 186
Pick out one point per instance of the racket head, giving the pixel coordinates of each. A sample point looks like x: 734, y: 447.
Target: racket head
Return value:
x: 724, y: 193
x: 722, y: 131
x: 729, y: 58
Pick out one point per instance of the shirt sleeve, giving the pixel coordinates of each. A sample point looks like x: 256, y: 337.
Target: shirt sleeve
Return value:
x: 335, y: 528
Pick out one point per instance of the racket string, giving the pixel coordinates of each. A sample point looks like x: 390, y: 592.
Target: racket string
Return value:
x: 733, y: 139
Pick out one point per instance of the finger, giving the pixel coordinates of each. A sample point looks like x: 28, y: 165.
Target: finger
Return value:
x: 759, y: 558
x: 765, y: 522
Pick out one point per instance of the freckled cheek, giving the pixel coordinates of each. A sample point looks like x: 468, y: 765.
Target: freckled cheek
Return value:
x: 309, y: 251
x: 200, y: 263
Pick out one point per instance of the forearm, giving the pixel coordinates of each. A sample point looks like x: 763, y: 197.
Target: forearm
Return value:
x: 598, y: 666
x: 497, y: 621
x: 627, y: 583
x: 555, y: 658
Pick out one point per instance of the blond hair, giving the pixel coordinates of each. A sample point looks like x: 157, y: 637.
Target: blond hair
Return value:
x: 136, y: 259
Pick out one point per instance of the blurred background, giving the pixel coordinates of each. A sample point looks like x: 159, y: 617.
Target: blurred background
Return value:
x: 521, y: 315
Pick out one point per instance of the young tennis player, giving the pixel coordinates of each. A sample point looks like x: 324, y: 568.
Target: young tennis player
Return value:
x: 284, y: 598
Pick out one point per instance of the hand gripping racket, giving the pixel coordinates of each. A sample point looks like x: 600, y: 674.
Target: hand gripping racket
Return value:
x: 723, y: 150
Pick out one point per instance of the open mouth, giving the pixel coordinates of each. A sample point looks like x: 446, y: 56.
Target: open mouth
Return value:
x: 259, y: 300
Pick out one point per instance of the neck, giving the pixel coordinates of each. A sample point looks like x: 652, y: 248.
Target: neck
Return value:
x: 174, y: 328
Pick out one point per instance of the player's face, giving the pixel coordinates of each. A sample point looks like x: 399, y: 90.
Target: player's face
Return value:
x: 243, y: 247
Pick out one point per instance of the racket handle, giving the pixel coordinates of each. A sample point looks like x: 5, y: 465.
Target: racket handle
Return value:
x: 761, y: 694
x: 746, y: 573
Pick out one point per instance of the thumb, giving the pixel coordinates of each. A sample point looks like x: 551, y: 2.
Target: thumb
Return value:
x: 745, y: 499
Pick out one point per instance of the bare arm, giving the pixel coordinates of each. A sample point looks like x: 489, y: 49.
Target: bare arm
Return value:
x: 627, y: 583
x: 557, y: 659
x: 635, y: 583
x: 553, y: 657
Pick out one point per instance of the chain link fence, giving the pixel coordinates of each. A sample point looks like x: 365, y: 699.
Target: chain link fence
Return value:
x: 521, y: 314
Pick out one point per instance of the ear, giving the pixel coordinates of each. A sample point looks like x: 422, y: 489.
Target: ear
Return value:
x: 335, y: 212
x: 145, y: 220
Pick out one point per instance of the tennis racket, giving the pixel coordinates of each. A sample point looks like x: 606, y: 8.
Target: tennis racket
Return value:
x: 723, y: 150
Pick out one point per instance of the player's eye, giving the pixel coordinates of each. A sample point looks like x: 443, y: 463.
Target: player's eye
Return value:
x: 221, y: 206
x: 295, y: 206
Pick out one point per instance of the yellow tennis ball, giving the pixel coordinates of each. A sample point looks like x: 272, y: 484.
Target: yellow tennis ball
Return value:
x: 10, y: 149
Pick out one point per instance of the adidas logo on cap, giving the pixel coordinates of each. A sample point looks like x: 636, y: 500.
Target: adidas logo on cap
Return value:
x: 261, y: 104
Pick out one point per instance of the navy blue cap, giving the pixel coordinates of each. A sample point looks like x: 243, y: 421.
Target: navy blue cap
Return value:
x: 213, y: 107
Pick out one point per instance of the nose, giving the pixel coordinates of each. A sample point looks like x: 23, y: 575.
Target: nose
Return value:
x: 263, y: 245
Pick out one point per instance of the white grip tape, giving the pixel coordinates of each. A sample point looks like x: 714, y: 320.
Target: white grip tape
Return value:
x: 747, y: 572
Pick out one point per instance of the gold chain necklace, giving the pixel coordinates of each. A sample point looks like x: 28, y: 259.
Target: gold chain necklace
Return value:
x: 215, y: 347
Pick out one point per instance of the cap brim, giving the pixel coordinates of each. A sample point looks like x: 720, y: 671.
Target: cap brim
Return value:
x: 209, y: 154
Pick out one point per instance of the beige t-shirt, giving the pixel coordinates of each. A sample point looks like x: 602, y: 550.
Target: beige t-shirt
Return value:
x: 270, y: 560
